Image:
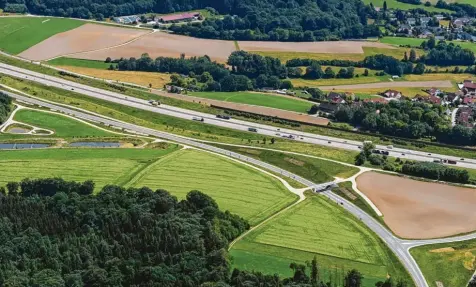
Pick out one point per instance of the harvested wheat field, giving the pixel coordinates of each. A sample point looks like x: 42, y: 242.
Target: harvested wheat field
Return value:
x: 87, y: 37
x: 332, y: 47
x: 166, y: 45
x: 158, y: 80
x: 420, y: 210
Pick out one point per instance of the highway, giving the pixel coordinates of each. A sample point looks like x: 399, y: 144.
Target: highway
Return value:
x: 394, y: 243
x: 213, y: 120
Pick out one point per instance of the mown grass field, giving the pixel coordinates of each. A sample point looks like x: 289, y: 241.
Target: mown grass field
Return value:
x: 237, y: 188
x: 394, y: 4
x: 314, y: 169
x: 258, y: 99
x: 20, y: 33
x: 62, y: 126
x: 317, y: 227
x: 450, y: 263
x: 103, y: 166
x: 62, y: 61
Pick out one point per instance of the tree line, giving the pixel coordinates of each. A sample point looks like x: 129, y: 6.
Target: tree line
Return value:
x: 57, y: 233
x: 435, y: 171
x: 5, y: 107
x: 443, y: 54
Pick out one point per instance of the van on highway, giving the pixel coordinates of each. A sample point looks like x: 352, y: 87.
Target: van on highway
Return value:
x: 225, y: 117
x: 253, y: 130
x: 198, y: 119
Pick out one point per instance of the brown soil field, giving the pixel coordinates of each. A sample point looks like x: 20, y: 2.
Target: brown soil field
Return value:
x: 384, y: 85
x: 332, y: 47
x: 420, y: 210
x: 158, y: 80
x: 249, y: 108
x: 166, y: 45
x: 87, y: 37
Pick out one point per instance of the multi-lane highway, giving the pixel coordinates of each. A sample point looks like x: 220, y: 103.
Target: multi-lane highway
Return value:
x: 213, y: 120
x: 394, y: 243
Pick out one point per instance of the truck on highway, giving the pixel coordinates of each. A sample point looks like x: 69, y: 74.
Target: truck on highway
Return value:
x: 252, y: 130
x: 225, y: 117
x: 198, y: 119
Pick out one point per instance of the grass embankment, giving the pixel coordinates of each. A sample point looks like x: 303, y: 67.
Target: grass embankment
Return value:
x: 82, y: 63
x: 20, y: 33
x: 452, y: 264
x: 313, y: 169
x: 62, y: 126
x: 317, y: 226
x: 258, y: 99
x: 104, y: 166
x: 235, y: 187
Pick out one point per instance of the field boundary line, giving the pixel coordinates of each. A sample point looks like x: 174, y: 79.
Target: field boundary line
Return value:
x: 102, y: 49
x: 142, y: 172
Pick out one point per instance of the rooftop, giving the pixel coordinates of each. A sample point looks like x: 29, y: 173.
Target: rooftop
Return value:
x: 177, y: 17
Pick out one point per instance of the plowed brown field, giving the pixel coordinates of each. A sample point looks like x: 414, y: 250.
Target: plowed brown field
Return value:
x: 87, y: 37
x: 420, y: 210
x: 167, y: 45
x: 333, y: 47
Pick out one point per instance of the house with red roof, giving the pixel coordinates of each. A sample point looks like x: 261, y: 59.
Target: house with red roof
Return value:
x: 468, y: 87
x: 176, y: 18
x: 336, y: 98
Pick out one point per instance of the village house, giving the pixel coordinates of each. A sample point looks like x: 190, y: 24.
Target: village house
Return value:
x: 336, y: 98
x: 392, y: 94
x: 468, y: 87
x: 465, y: 116
x: 176, y: 18
x: 329, y: 108
x: 430, y: 99
x: 127, y: 20
x: 376, y: 100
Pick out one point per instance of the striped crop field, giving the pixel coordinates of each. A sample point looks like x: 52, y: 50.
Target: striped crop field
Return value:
x: 317, y: 227
x: 235, y: 187
x: 103, y: 166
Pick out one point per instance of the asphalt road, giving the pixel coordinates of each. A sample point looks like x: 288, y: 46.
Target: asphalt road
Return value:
x: 395, y: 244
x: 211, y: 119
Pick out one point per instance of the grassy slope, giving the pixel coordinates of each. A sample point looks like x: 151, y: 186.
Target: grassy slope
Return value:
x: 258, y: 99
x: 451, y: 268
x: 104, y: 166
x: 20, y: 33
x: 235, y: 187
x: 317, y: 227
x: 316, y: 170
x: 61, y: 125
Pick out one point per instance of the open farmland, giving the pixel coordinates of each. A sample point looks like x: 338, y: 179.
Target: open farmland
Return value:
x: 394, y: 4
x: 166, y: 45
x: 237, y: 188
x: 259, y: 99
x: 416, y: 209
x: 61, y: 125
x: 318, y: 227
x: 157, y: 80
x: 417, y: 42
x: 88, y: 37
x: 449, y: 263
x: 80, y: 63
x: 20, y: 33
x: 103, y: 166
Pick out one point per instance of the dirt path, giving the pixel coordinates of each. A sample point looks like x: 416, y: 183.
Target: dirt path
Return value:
x: 384, y: 85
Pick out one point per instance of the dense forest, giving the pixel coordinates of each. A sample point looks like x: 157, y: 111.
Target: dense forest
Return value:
x: 288, y: 20
x: 5, y: 107
x: 56, y: 233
